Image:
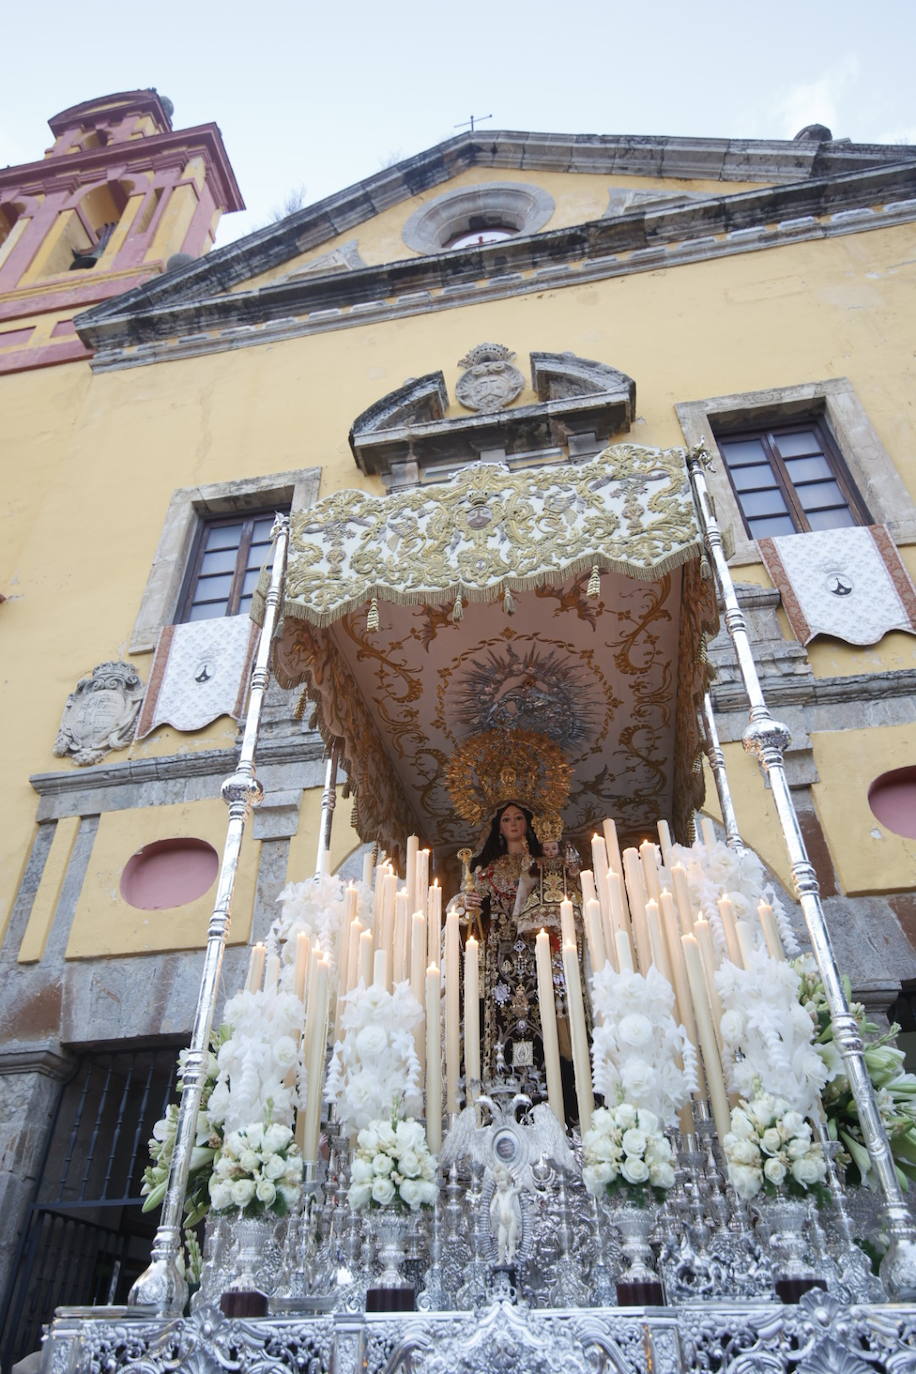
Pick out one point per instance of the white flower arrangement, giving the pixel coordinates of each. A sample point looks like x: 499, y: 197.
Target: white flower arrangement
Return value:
x: 207, y: 1141
x: 714, y: 871
x: 769, y: 1148
x: 317, y: 908
x: 640, y: 1055
x: 374, y: 1069
x: 626, y: 1152
x: 768, y: 1035
x: 258, y: 1060
x: 392, y: 1166
x: 257, y: 1170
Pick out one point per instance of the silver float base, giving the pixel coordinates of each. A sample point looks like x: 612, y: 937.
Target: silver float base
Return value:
x: 819, y: 1336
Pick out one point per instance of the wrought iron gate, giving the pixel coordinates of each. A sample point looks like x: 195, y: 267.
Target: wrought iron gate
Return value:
x: 87, y: 1239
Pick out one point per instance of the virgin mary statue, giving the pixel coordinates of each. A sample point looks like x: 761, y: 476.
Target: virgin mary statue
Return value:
x: 514, y: 784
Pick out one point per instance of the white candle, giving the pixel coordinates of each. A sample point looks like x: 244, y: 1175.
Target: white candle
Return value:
x: 367, y: 868
x: 636, y: 895
x: 587, y: 883
x: 410, y: 870
x: 612, y: 845
x: 434, y: 921
x: 657, y: 939
x: 624, y: 952
x: 715, y: 1081
x: 433, y: 1061
x: 384, y: 937
x: 727, y: 915
x: 620, y: 916
x: 682, y: 898
x: 664, y: 839
x: 471, y: 1021
x: 417, y: 971
x: 548, y: 1008
x: 770, y: 931
x: 317, y: 1033
x: 649, y: 858
x: 745, y: 941
x: 600, y: 867
x: 380, y: 969
x: 567, y: 920
x: 272, y: 977
x: 301, y: 966
x: 421, y: 884
x: 398, y: 961
x: 683, y: 1002
x: 703, y: 933
x: 255, y: 975
x: 708, y: 831
x: 452, y: 1013
x: 581, y: 1062
x: 364, y: 964
x: 596, y: 948
x: 356, y: 930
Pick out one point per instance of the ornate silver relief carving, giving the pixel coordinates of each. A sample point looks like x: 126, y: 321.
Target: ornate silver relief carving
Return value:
x: 490, y: 381
x: 100, y: 714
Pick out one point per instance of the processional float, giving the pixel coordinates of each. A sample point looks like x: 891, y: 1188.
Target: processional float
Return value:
x: 448, y: 1205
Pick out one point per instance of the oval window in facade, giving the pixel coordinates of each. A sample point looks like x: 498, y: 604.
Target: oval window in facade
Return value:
x: 892, y: 798
x: 169, y: 873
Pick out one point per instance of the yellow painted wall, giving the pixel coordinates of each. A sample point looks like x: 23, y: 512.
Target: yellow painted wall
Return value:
x: 868, y: 857
x: 102, y: 453
x: 104, y: 923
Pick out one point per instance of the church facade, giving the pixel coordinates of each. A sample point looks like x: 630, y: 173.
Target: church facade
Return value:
x: 516, y: 299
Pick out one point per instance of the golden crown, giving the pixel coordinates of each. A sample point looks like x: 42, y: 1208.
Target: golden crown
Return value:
x: 499, y: 766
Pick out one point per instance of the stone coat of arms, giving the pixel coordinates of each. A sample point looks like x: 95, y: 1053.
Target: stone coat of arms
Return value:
x: 100, y: 713
x: 490, y: 381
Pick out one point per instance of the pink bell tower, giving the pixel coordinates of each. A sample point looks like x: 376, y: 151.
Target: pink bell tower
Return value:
x: 114, y: 198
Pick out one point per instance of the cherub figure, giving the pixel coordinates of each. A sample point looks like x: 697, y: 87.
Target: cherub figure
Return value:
x: 505, y: 1215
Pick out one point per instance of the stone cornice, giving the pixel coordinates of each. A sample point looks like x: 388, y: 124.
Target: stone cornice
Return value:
x: 133, y: 329
x: 209, y: 762
x: 812, y: 691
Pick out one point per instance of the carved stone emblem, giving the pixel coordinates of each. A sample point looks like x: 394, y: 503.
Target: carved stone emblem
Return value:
x: 490, y: 382
x: 100, y: 714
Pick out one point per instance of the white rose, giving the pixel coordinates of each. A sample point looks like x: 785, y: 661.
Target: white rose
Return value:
x: 661, y: 1176
x: 255, y: 1134
x: 746, y: 1182
x: 242, y: 1192
x: 275, y: 1167
x: 771, y: 1140
x: 635, y: 1029
x: 602, y: 1121
x: 220, y: 1194
x: 648, y: 1121
x: 732, y: 1025
x: 634, y: 1170
x: 634, y: 1142
x: 289, y: 1194
x: 625, y: 1116
x: 360, y: 1195
x: 382, y: 1164
x: 411, y: 1191
x: 361, y: 1171
x: 265, y: 1191
x: 367, y: 1140
x: 410, y: 1134
x: 387, y: 1138
x: 798, y: 1148
x: 603, y: 1148
x: 285, y: 1051
x: 428, y: 1191
x: 762, y: 1110
x: 637, y: 1078
x: 809, y: 1169
x: 775, y: 1171
x: 409, y: 1163
x: 249, y: 1161
x: 371, y: 1042
x: 276, y: 1138
x: 742, y: 1151
x: 224, y: 1167
x: 793, y: 1123
x: 383, y: 1191
x: 742, y: 1124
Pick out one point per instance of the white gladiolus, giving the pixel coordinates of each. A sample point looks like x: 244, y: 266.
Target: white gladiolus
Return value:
x: 375, y: 1068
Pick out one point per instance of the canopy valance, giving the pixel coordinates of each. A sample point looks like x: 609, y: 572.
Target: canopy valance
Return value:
x: 611, y: 673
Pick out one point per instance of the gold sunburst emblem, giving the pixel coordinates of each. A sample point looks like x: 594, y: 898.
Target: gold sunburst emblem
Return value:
x: 498, y: 766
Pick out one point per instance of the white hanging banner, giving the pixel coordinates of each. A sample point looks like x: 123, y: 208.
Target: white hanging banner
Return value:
x: 848, y: 583
x: 200, y: 672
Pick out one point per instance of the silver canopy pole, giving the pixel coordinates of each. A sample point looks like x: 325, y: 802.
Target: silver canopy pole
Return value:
x: 720, y: 776
x: 162, y: 1286
x: 328, y: 802
x: 768, y: 739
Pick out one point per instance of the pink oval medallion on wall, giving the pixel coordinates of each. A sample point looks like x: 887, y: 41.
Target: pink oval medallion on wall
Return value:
x: 892, y: 798
x: 169, y: 873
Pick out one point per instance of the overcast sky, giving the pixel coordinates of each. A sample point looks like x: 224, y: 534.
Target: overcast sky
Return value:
x: 319, y: 97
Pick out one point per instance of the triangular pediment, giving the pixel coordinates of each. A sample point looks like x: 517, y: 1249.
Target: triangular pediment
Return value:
x: 353, y: 250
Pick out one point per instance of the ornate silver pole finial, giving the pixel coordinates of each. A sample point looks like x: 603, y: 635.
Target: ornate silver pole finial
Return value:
x: 767, y: 739
x: 162, y: 1285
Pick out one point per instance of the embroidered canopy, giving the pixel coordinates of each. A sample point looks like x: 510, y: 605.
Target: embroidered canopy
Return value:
x: 485, y: 620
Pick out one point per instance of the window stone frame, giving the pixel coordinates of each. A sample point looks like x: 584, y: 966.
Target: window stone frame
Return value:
x: 296, y: 489
x: 870, y: 466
